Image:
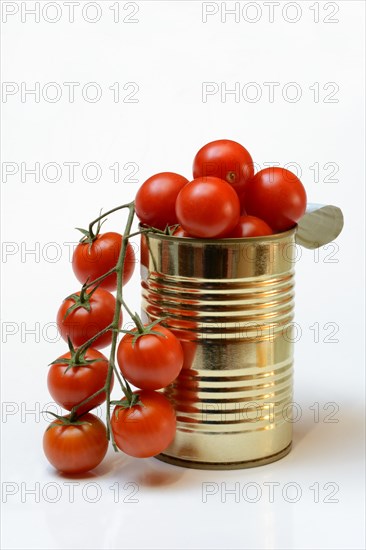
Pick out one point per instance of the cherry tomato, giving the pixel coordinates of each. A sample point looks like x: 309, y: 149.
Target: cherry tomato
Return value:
x: 153, y: 361
x: 76, y: 448
x: 90, y: 261
x: 250, y: 226
x: 70, y: 385
x: 81, y: 325
x: 144, y: 430
x: 227, y: 160
x: 276, y: 196
x: 208, y: 208
x: 155, y: 200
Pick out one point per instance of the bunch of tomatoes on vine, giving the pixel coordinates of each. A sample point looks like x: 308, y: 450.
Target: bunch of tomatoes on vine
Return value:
x: 225, y: 199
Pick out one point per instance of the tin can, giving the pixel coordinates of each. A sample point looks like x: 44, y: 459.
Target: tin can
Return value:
x: 231, y: 304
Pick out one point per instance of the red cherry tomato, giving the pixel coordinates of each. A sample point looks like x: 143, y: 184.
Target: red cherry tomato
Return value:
x: 227, y: 160
x: 208, y: 208
x: 250, y: 226
x: 90, y: 261
x: 81, y: 325
x: 276, y: 196
x: 144, y: 430
x: 76, y: 448
x: 155, y: 200
x: 153, y: 361
x: 69, y: 386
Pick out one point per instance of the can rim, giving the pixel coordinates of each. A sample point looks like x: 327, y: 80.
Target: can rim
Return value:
x: 266, y: 238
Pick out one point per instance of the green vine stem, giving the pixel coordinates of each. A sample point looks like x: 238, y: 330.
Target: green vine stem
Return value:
x: 87, y: 344
x: 135, y: 318
x: 99, y: 279
x: 113, y: 327
x: 104, y: 216
x: 147, y: 230
x: 119, y: 271
x: 74, y: 411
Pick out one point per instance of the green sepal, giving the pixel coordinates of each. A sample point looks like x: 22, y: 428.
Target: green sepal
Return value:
x: 72, y: 362
x: 127, y: 404
x: 76, y: 305
x: 148, y: 330
x: 85, y: 232
x: 171, y: 229
x: 81, y: 300
x: 65, y: 421
x: 139, y: 334
x: 88, y: 235
x: 160, y: 320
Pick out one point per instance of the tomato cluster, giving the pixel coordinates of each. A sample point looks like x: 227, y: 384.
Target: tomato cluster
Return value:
x: 150, y: 357
x: 226, y: 199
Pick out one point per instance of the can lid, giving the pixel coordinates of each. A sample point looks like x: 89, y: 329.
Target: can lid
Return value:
x: 321, y: 224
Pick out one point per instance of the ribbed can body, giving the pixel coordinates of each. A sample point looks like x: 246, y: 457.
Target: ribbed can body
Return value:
x: 230, y: 302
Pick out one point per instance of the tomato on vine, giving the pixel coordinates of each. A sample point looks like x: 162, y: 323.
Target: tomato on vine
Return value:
x: 150, y: 360
x: 145, y: 429
x: 75, y: 447
x: 73, y: 378
x: 97, y: 254
x: 84, y: 314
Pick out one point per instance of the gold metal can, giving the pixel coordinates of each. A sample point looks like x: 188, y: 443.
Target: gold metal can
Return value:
x: 231, y: 304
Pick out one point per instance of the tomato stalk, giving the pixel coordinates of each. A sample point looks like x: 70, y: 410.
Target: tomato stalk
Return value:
x: 74, y: 411
x: 135, y: 318
x: 82, y: 301
x: 119, y: 299
x: 101, y: 278
x: 97, y: 220
x: 77, y: 357
x: 82, y: 349
x: 147, y: 230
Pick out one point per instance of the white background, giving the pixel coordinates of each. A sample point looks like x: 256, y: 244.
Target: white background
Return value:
x: 169, y: 53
